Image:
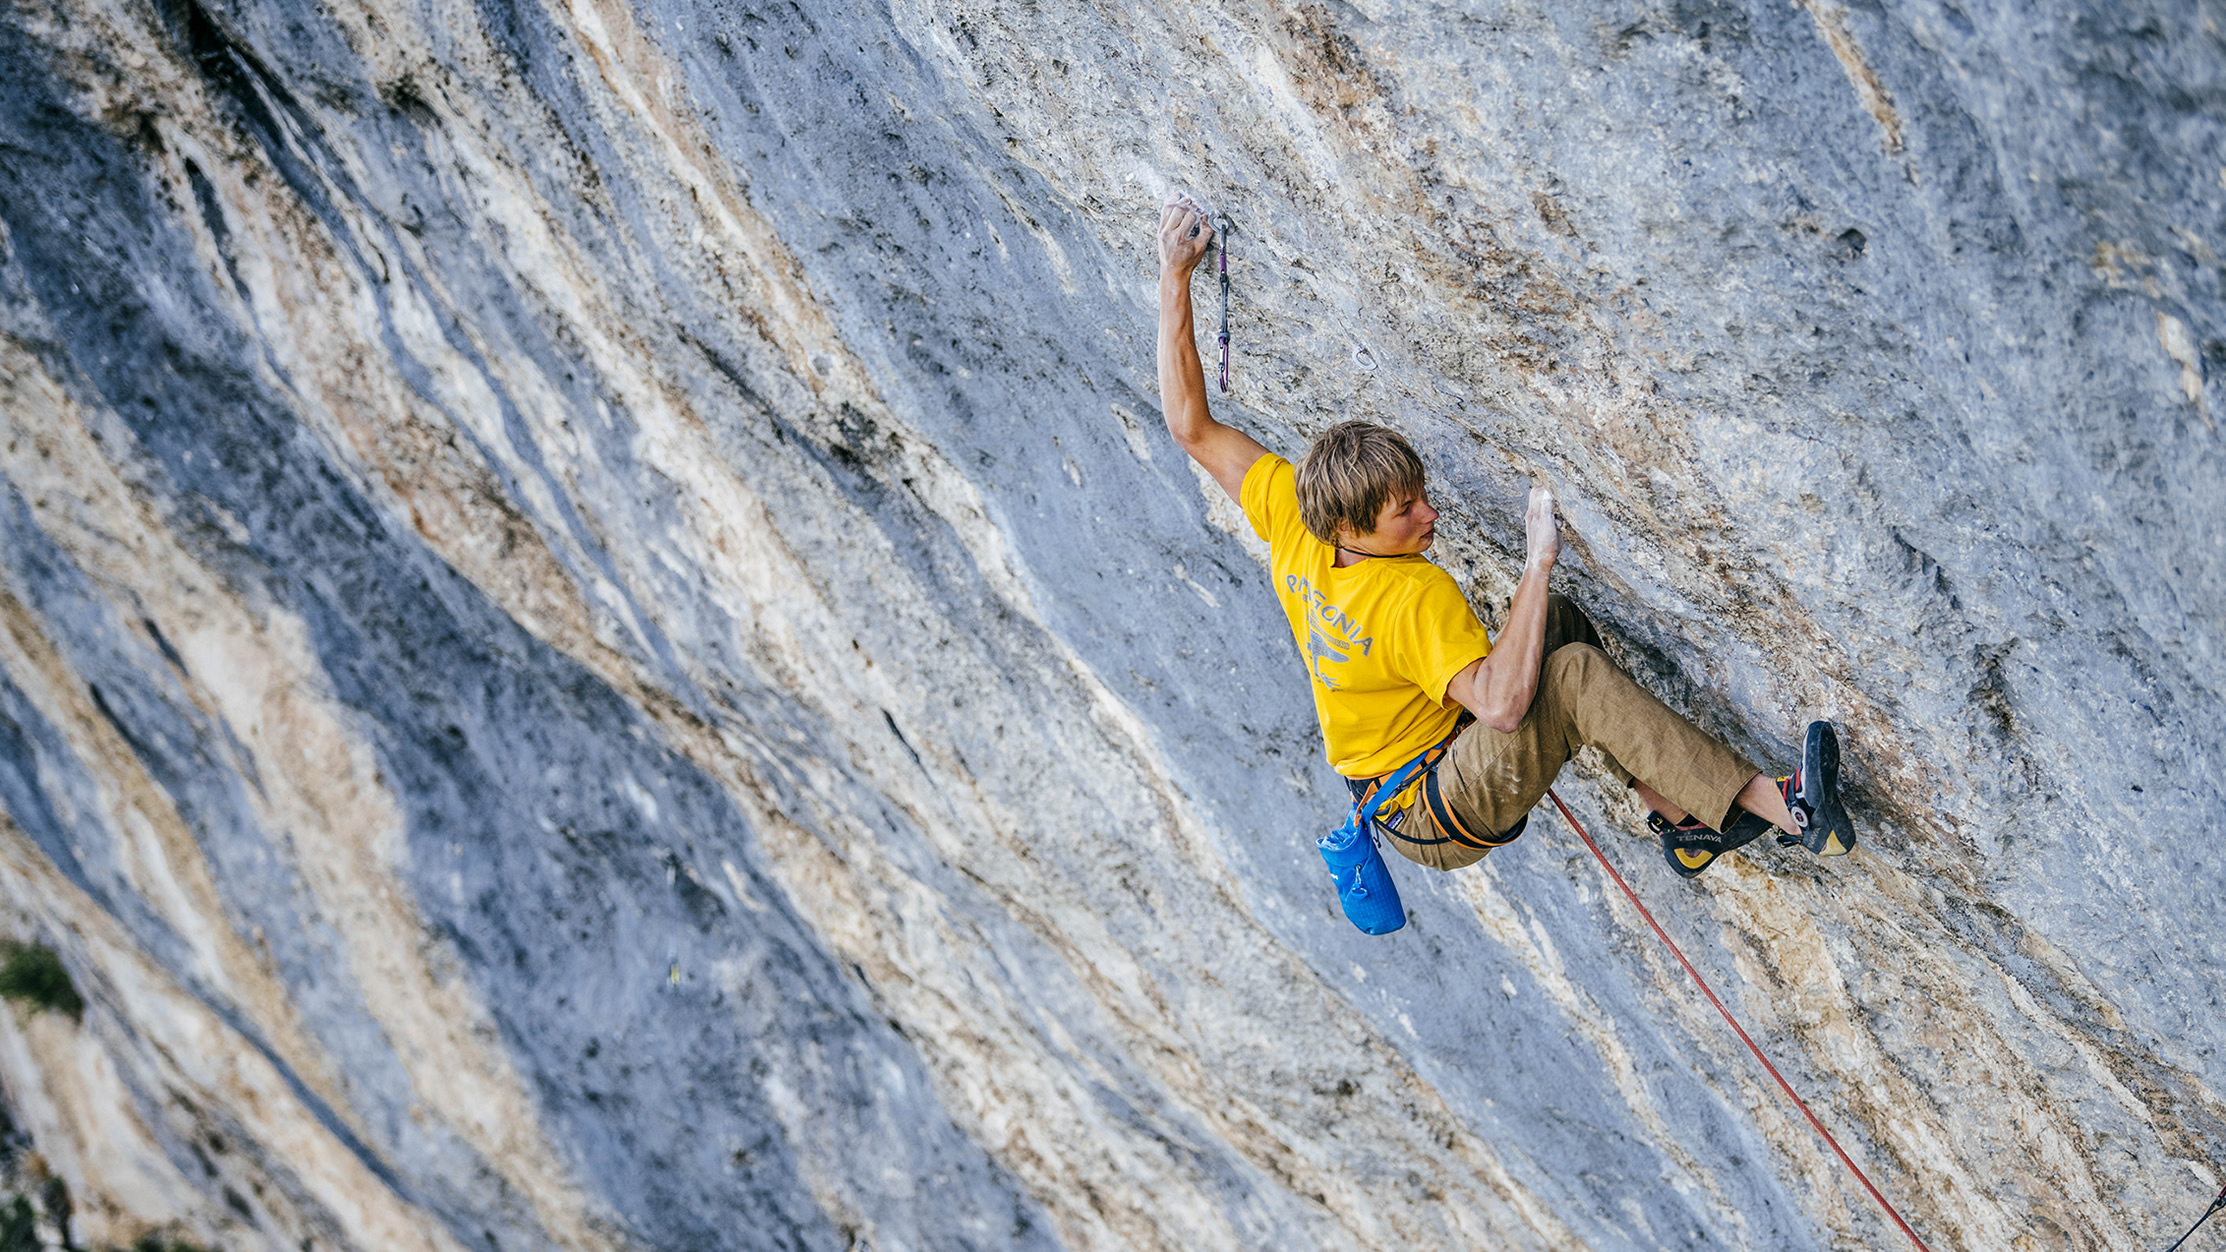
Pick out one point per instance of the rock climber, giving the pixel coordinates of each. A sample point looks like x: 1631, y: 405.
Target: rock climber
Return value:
x: 1402, y: 671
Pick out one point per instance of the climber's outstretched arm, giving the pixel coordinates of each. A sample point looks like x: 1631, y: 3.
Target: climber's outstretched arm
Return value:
x: 1499, y: 688
x: 1224, y: 451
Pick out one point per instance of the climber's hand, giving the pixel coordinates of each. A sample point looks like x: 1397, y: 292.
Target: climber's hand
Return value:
x: 1184, y: 233
x: 1541, y: 529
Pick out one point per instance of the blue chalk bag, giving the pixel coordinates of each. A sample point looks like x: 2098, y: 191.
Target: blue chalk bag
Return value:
x: 1364, y: 885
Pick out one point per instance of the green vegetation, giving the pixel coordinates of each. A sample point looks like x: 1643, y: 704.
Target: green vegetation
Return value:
x: 18, y: 1228
x: 35, y: 1206
x: 32, y: 974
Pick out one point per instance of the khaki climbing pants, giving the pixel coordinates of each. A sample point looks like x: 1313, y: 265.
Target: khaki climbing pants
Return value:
x: 1488, y: 781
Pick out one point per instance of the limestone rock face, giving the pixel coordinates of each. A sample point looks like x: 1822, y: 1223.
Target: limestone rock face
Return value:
x: 601, y: 645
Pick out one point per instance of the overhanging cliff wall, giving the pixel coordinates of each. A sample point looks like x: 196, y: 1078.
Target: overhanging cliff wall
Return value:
x: 600, y: 644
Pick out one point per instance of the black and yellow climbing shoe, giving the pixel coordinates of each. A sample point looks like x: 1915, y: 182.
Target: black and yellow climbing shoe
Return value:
x: 1691, y: 846
x: 1813, y: 795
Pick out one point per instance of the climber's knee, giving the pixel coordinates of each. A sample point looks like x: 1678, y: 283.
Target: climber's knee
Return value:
x: 1574, y: 668
x: 1582, y: 695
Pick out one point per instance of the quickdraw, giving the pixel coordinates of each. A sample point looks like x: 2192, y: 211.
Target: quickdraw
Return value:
x: 1221, y: 237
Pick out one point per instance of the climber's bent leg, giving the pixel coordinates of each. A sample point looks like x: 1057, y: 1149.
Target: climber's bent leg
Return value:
x: 1605, y: 708
x: 1493, y: 779
x: 1480, y: 797
x: 1432, y: 832
x: 1567, y: 624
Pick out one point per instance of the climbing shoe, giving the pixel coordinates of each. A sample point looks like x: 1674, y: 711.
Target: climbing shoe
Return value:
x: 1691, y: 846
x: 1813, y: 796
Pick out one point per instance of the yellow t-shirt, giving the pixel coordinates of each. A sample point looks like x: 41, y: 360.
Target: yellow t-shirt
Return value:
x: 1381, y: 637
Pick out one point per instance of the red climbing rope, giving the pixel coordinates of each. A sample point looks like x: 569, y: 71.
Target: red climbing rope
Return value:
x: 2217, y: 1204
x: 1702, y: 983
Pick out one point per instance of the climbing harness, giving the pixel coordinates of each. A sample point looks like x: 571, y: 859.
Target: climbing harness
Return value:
x: 1431, y: 811
x: 1739, y: 1030
x: 1221, y: 238
x: 2217, y: 1204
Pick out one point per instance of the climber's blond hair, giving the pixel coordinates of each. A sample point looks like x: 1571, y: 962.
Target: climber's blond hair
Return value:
x: 1349, y: 473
